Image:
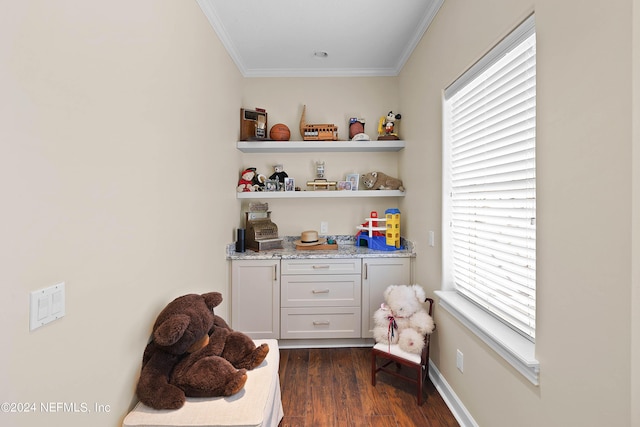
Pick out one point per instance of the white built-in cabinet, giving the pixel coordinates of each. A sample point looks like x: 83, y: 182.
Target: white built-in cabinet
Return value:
x: 255, y: 298
x: 377, y: 275
x: 314, y: 298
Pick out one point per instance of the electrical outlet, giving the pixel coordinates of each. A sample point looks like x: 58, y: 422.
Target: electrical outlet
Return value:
x: 460, y: 360
x: 324, y: 227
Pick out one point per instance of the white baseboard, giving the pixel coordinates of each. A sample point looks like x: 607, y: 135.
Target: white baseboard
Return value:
x: 459, y: 411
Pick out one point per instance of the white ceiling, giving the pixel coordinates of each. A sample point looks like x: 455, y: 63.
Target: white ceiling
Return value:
x: 276, y: 38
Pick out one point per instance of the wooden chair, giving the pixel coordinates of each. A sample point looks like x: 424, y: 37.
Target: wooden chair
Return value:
x: 418, y: 363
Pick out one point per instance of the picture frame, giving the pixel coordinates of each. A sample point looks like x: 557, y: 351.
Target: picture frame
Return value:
x: 343, y: 185
x: 271, y: 185
x: 289, y: 184
x: 354, y: 179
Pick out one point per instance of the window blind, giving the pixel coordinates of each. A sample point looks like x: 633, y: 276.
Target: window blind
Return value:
x: 490, y: 181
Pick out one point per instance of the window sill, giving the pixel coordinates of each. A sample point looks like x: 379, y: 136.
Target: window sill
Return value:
x: 514, y: 348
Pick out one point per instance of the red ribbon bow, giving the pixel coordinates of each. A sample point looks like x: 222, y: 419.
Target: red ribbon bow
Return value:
x: 392, y: 325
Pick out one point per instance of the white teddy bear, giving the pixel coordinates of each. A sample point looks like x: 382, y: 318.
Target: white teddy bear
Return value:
x: 403, y: 319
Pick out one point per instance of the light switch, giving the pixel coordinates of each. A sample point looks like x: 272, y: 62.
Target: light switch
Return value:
x: 46, y: 305
x: 57, y: 301
x: 43, y: 307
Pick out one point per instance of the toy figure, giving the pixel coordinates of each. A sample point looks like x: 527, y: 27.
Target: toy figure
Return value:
x: 387, y: 125
x: 381, y: 181
x: 279, y: 174
x: 246, y: 182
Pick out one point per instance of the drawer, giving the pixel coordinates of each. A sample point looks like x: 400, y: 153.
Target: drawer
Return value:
x: 322, y: 266
x: 320, y: 322
x: 327, y: 290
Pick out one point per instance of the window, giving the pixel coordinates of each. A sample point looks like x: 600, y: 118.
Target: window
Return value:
x: 489, y: 182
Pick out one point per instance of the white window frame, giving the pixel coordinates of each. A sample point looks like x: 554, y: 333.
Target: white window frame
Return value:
x: 515, y: 348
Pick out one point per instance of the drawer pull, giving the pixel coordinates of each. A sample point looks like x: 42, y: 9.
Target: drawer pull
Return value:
x: 321, y: 323
x: 318, y: 267
x: 321, y: 291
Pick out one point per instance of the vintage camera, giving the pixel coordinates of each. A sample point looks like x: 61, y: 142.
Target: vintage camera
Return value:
x: 253, y: 124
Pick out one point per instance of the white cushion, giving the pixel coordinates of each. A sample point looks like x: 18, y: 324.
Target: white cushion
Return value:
x: 397, y: 351
x: 257, y: 404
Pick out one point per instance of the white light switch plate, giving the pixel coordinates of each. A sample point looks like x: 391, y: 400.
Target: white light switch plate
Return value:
x: 46, y: 305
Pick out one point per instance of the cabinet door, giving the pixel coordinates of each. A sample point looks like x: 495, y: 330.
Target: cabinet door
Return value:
x: 377, y: 275
x: 255, y: 298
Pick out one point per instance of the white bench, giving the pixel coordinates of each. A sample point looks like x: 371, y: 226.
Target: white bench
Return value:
x: 257, y: 404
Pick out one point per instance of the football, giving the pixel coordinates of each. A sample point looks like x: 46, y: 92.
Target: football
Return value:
x: 280, y: 132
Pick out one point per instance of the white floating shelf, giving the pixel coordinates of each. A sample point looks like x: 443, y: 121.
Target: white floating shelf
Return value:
x: 319, y: 194
x: 318, y: 146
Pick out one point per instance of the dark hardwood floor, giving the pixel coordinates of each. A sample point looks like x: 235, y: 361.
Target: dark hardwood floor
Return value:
x: 332, y: 387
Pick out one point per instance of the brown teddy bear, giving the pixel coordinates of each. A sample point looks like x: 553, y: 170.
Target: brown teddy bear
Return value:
x: 193, y: 352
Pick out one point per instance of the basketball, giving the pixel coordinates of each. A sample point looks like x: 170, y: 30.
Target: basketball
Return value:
x: 280, y: 132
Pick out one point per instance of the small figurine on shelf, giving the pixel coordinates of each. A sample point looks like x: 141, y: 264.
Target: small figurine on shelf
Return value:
x: 356, y: 130
x: 321, y: 183
x: 246, y: 182
x: 386, y: 126
x: 279, y: 174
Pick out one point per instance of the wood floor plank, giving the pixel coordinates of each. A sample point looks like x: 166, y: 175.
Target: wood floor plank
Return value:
x: 374, y: 400
x: 332, y: 387
x: 322, y: 410
x: 381, y: 421
x: 349, y: 407
x: 294, y: 381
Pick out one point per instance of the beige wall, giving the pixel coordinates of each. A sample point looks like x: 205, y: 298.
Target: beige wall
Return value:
x: 115, y: 153
x: 635, y: 292
x: 584, y: 209
x: 117, y: 131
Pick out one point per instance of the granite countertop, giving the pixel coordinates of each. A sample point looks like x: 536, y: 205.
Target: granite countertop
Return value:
x: 346, y: 249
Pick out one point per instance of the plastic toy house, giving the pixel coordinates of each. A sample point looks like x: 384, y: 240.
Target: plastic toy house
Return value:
x: 382, y: 234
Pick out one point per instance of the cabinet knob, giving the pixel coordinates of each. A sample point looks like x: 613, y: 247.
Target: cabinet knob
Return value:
x: 321, y: 291
x: 318, y: 267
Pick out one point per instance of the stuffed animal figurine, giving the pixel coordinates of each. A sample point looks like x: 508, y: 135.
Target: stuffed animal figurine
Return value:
x: 259, y: 181
x: 381, y: 181
x: 193, y: 352
x: 403, y: 319
x: 279, y: 174
x: 247, y: 181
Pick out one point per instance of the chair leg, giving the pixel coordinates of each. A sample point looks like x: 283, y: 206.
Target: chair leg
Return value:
x: 373, y: 369
x: 420, y: 387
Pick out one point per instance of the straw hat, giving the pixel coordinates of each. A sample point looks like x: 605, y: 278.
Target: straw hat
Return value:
x: 310, y: 238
